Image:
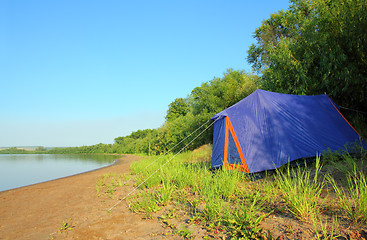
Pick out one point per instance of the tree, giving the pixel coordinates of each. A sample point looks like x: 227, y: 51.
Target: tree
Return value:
x: 176, y: 109
x: 316, y: 46
x: 220, y: 93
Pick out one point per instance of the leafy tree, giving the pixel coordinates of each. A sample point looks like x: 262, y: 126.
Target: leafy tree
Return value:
x: 176, y: 109
x: 220, y: 93
x: 268, y: 35
x: 141, y: 133
x: 316, y: 46
x: 185, y: 115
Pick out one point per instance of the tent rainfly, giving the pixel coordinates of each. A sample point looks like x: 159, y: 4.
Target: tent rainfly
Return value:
x: 266, y: 130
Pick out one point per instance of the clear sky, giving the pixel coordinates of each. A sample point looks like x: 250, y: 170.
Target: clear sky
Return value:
x: 83, y: 72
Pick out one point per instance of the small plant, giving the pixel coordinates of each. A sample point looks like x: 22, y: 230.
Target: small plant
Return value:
x: 193, y: 205
x: 66, y: 226
x: 213, y: 209
x: 184, y: 232
x: 171, y: 214
x: 243, y: 221
x: 170, y: 225
x: 109, y: 183
x: 164, y: 193
x: 146, y: 203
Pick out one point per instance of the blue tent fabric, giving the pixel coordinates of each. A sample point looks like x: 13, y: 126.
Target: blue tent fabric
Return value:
x: 218, y: 144
x: 274, y: 128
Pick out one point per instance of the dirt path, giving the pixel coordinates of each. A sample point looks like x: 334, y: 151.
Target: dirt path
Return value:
x: 38, y: 211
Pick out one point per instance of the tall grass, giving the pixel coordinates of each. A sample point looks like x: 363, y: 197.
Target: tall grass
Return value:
x: 353, y: 200
x: 328, y: 231
x: 345, y: 160
x: 222, y: 184
x: 213, y: 210
x: 227, y: 200
x: 179, y: 171
x: 164, y: 193
x: 189, y: 180
x: 270, y: 191
x: 300, y: 191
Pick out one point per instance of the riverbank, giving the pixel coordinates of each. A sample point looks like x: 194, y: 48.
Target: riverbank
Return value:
x: 182, y: 206
x: 39, y: 211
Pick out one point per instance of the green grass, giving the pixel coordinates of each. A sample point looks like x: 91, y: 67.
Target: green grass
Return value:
x: 352, y: 191
x: 184, y: 232
x: 164, y: 193
x: 188, y: 180
x: 229, y: 203
x: 243, y: 219
x: 326, y: 230
x: 109, y: 183
x: 301, y: 191
x: 146, y: 203
x: 353, y: 200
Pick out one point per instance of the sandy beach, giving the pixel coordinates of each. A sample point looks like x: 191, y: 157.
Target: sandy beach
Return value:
x: 39, y: 211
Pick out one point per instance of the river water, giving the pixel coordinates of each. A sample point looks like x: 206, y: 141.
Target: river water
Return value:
x: 18, y: 170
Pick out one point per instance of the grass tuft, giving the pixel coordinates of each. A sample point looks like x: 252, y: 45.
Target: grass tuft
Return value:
x: 300, y: 191
x: 353, y: 201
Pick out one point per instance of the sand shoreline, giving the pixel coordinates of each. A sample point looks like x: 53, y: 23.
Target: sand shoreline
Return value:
x: 37, y: 211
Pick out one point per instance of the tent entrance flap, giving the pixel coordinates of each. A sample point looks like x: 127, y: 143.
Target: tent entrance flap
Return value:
x: 233, y: 156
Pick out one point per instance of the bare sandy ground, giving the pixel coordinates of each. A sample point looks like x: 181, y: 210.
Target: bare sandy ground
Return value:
x: 39, y: 211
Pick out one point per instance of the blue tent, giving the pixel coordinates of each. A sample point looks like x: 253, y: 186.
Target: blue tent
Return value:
x: 266, y: 130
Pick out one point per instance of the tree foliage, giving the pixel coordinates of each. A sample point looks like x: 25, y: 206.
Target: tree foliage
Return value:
x: 315, y: 47
x: 185, y: 115
x: 177, y: 108
x: 220, y: 93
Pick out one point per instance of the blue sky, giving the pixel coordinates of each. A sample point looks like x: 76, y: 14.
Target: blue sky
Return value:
x: 83, y: 72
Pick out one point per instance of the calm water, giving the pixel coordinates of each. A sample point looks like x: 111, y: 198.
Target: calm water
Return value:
x: 18, y: 170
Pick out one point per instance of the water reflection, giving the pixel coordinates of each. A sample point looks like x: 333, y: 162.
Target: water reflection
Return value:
x: 18, y: 170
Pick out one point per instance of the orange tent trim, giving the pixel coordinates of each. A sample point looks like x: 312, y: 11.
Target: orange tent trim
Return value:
x: 228, y: 166
x: 344, y: 118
